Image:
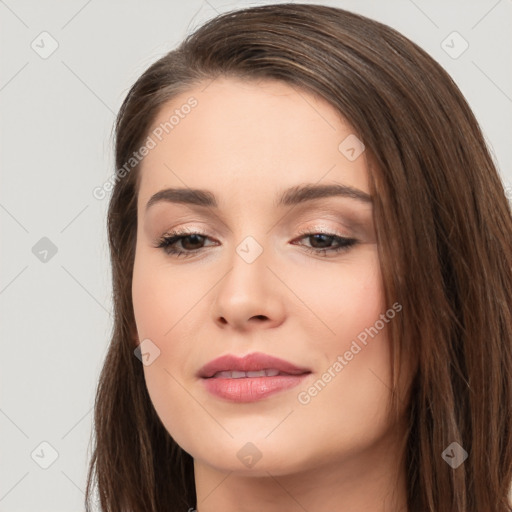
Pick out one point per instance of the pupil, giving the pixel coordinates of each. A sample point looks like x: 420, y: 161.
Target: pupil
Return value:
x: 196, y: 239
x: 326, y: 238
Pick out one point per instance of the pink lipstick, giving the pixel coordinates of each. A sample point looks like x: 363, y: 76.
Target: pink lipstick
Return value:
x: 250, y: 378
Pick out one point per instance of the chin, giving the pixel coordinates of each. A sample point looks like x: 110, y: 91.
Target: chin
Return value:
x: 256, y: 457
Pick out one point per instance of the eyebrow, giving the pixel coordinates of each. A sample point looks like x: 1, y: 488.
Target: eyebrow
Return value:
x: 292, y: 196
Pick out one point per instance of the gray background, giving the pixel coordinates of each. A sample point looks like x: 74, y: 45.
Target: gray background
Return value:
x: 56, y: 119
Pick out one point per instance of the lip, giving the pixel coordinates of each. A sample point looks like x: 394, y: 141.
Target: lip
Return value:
x: 249, y: 363
x: 250, y: 389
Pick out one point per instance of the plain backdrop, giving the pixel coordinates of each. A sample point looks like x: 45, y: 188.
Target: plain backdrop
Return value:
x: 65, y: 69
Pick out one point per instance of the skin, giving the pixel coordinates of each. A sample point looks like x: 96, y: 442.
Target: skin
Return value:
x: 246, y: 142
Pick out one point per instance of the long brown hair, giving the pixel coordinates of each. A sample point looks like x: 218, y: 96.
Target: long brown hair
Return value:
x: 444, y: 230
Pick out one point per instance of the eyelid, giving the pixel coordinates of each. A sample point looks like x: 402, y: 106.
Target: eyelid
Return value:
x: 323, y: 230
x: 183, y: 231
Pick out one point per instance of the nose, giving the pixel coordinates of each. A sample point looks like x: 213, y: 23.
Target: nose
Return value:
x: 249, y: 296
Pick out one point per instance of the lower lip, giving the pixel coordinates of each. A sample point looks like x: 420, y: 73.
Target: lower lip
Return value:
x: 251, y: 389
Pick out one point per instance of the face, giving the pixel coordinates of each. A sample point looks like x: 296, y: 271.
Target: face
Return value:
x: 259, y: 265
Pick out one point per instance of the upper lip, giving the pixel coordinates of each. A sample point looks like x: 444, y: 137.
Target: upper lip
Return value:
x: 248, y: 363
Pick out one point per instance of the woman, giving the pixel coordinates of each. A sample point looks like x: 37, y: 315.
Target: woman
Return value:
x: 312, y: 277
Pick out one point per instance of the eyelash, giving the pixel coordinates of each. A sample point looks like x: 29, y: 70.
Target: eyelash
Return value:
x: 166, y: 243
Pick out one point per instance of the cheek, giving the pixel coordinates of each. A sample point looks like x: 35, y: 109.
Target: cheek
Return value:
x: 161, y: 297
x: 354, y: 375
x: 158, y: 308
x: 152, y: 302
x: 342, y: 299
x: 164, y: 304
x: 361, y: 335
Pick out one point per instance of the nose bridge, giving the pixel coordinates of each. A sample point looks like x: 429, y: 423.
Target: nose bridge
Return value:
x: 249, y: 289
x: 248, y: 262
x: 250, y: 235
x: 250, y: 250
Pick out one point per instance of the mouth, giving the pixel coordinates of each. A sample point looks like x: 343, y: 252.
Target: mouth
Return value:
x: 236, y: 374
x: 250, y: 378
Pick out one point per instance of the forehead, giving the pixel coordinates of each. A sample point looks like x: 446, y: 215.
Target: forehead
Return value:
x: 245, y: 136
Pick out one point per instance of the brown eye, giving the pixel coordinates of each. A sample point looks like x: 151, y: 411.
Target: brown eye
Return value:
x: 322, y: 243
x: 191, y: 243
